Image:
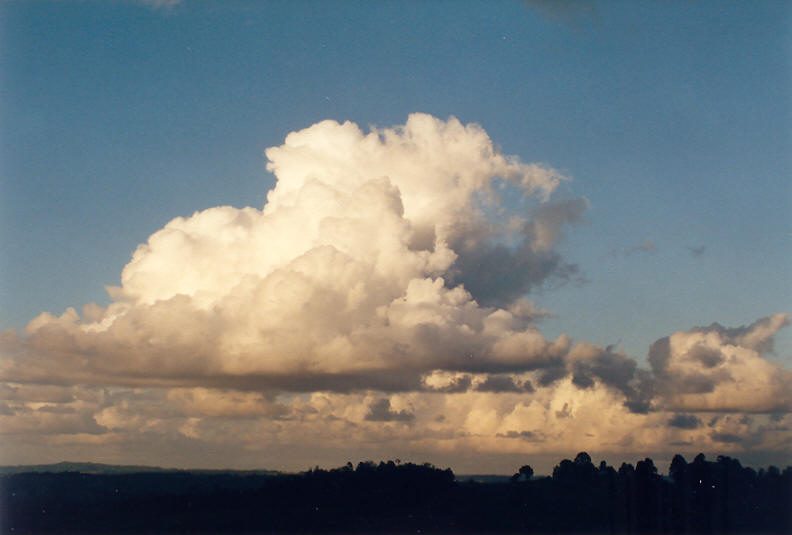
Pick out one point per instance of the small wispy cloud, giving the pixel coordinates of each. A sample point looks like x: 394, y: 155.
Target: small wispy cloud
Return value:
x: 697, y: 251
x: 646, y: 247
x: 160, y: 4
x: 575, y: 13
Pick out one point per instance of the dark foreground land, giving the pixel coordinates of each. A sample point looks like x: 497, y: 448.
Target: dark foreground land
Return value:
x: 696, y: 497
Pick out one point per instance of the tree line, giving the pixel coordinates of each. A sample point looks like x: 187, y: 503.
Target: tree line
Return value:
x: 702, y: 496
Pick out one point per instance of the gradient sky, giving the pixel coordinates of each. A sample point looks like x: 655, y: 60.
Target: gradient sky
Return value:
x: 672, y: 120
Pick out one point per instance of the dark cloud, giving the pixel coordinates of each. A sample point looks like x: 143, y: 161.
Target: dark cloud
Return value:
x: 551, y: 375
x: 380, y: 411
x: 750, y: 336
x: 619, y: 372
x: 529, y: 436
x: 684, y: 421
x: 693, y: 383
x: 583, y: 380
x: 496, y: 274
x: 638, y: 406
x: 503, y: 383
x: 708, y: 357
x: 641, y: 393
x: 659, y: 355
x: 613, y: 369
x: 728, y: 438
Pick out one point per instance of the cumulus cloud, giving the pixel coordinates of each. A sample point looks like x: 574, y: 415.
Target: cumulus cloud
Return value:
x: 722, y: 369
x: 372, y: 263
x: 378, y: 299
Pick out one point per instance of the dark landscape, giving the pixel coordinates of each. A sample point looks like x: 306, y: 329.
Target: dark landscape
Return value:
x: 702, y: 496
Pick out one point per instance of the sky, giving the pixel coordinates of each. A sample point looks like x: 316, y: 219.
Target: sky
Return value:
x: 478, y: 234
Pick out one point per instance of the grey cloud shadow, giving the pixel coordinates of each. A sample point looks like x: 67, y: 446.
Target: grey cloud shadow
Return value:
x: 380, y: 411
x: 528, y: 436
x: 496, y: 274
x: 503, y: 383
x: 684, y: 421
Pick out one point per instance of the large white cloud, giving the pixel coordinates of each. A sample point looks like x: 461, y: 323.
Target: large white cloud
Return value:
x: 352, y: 276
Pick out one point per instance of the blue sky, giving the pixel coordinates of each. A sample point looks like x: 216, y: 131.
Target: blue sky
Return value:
x: 673, y: 119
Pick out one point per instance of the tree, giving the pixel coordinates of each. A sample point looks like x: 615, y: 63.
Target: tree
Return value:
x: 527, y: 472
x: 582, y: 458
x: 678, y: 468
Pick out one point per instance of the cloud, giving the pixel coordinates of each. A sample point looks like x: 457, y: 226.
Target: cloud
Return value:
x: 726, y: 437
x: 497, y: 274
x: 610, y: 367
x: 684, y: 421
x: 384, y: 280
x: 757, y: 336
x: 500, y: 383
x: 374, y: 262
x: 646, y: 247
x: 161, y: 4
x: 524, y: 435
x: 721, y: 369
x: 576, y: 13
x: 380, y: 411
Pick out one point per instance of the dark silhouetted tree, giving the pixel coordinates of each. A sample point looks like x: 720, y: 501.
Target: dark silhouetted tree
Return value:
x: 527, y: 472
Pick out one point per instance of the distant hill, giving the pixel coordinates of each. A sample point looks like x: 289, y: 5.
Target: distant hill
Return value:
x: 99, y: 468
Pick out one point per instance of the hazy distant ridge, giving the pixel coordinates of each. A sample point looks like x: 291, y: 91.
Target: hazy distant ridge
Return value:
x: 100, y: 468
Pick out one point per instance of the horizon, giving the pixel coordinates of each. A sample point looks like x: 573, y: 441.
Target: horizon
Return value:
x: 355, y: 463
x: 268, y: 234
